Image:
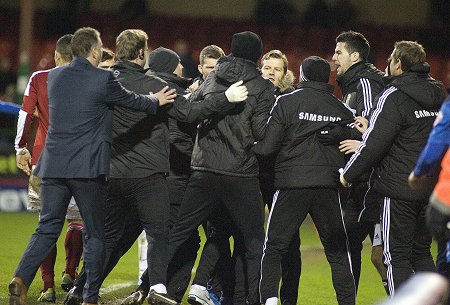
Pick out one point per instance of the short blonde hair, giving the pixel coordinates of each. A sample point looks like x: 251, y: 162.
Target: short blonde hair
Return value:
x: 287, y: 81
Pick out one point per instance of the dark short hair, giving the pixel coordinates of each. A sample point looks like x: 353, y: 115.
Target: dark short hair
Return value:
x: 64, y: 47
x: 355, y: 42
x: 129, y: 42
x: 84, y: 40
x: 211, y: 51
x: 410, y: 53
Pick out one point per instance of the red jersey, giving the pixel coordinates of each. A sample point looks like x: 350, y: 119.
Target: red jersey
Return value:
x: 35, y: 98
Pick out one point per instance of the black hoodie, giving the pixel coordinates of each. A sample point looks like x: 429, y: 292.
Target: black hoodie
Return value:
x: 399, y: 129
x: 224, y: 143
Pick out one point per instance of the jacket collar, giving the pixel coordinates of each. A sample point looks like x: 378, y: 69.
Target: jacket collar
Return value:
x: 80, y: 61
x: 317, y: 85
x: 350, y: 74
x: 125, y: 64
x: 170, y: 77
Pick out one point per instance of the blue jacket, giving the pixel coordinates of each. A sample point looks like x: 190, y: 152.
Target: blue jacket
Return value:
x: 437, y: 144
x: 81, y: 100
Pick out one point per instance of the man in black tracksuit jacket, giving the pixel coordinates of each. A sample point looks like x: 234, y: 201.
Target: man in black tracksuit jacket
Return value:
x: 224, y: 167
x: 360, y: 83
x: 398, y: 131
x: 165, y: 64
x: 306, y: 179
x: 138, y: 192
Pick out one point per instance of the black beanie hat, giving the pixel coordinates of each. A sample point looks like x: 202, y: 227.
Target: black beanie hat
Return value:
x: 247, y: 45
x: 315, y: 68
x: 163, y: 60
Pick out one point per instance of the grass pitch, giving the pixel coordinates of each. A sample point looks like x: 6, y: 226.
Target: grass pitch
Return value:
x: 315, y: 283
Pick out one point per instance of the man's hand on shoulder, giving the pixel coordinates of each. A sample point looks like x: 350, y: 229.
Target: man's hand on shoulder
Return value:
x: 236, y: 92
x: 165, y: 96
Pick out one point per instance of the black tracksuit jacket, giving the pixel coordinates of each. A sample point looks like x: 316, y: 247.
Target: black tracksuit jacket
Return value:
x: 398, y: 131
x: 182, y: 134
x: 360, y: 86
x: 301, y: 160
x: 140, y: 142
x: 224, y: 143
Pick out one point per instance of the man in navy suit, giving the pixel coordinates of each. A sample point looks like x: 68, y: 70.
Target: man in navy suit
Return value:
x: 75, y: 160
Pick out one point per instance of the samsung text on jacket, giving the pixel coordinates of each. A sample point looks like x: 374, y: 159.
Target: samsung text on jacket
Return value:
x: 425, y: 113
x: 317, y: 117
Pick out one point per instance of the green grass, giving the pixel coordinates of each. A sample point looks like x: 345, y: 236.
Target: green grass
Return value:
x: 315, y: 284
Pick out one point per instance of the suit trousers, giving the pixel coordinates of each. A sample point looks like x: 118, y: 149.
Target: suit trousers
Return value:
x: 90, y: 195
x: 289, y: 209
x: 242, y: 199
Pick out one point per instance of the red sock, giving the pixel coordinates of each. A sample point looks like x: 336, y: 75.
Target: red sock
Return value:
x: 74, y: 247
x: 48, y: 269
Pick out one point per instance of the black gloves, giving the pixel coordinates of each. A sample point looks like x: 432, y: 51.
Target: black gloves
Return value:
x: 333, y: 134
x: 437, y: 222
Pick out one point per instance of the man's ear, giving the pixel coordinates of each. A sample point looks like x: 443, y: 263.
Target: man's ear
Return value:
x: 355, y: 57
x: 141, y: 54
x: 56, y: 57
x: 94, y: 53
x: 200, y: 69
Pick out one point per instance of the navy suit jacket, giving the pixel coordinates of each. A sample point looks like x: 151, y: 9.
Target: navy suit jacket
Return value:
x: 81, y: 100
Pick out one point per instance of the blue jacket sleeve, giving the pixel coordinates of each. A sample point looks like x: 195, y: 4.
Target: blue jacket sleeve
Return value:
x: 116, y: 94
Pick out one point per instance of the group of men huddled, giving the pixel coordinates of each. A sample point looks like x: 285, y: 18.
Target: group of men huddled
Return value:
x: 146, y: 149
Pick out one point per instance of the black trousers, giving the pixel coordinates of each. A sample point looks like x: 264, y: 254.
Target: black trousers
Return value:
x: 289, y: 210
x: 218, y: 269
x: 291, y: 261
x: 134, y: 204
x: 242, y: 199
x: 226, y: 274
x: 406, y: 240
x: 361, y: 209
x: 180, y: 266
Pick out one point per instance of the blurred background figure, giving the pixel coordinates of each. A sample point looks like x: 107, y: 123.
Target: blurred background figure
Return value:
x: 183, y: 49
x: 422, y: 289
x: 7, y: 80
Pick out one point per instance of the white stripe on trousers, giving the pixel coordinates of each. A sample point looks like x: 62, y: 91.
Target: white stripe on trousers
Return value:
x: 385, y: 224
x: 274, y: 200
x: 349, y: 256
